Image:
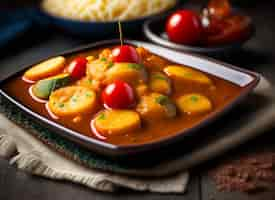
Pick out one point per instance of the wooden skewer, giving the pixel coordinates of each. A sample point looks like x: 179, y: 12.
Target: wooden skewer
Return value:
x: 120, y: 33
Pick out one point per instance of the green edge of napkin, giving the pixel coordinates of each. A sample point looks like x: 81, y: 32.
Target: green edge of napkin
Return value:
x: 60, y: 144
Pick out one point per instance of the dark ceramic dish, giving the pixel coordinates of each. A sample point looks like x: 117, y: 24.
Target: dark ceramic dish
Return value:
x: 245, y: 79
x: 154, y: 31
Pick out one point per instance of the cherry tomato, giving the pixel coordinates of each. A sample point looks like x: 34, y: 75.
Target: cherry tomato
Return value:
x: 118, y: 95
x: 125, y: 53
x: 184, y: 27
x: 77, y: 67
x: 229, y: 30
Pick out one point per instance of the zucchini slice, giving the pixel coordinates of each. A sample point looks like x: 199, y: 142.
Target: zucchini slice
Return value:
x: 114, y: 122
x: 72, y: 101
x: 43, y: 88
x: 46, y: 69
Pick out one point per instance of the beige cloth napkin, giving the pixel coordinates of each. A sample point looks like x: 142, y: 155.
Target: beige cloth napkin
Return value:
x: 29, y: 154
x: 38, y: 159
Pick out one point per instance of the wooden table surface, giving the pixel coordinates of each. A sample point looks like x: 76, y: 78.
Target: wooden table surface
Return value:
x: 258, y: 54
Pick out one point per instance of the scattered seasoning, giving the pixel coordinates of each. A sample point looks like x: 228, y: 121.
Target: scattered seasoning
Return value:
x: 250, y: 173
x: 162, y: 100
x: 101, y: 116
x: 135, y: 66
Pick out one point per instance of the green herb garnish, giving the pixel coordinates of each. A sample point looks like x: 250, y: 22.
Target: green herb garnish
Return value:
x: 135, y: 66
x: 101, y: 116
x: 61, y: 105
x: 88, y: 94
x: 111, y: 64
x: 188, y: 74
x: 103, y: 59
x: 74, y: 99
x: 194, y: 98
x: 158, y: 76
x: 162, y: 100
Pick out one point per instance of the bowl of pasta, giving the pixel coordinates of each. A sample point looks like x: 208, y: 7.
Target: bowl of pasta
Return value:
x: 98, y: 18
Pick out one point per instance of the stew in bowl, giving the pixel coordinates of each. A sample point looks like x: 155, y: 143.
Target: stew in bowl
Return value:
x: 127, y: 99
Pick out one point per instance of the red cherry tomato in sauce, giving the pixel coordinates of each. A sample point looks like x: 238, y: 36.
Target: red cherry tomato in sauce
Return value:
x: 118, y: 95
x: 77, y: 67
x: 125, y: 53
x: 184, y: 27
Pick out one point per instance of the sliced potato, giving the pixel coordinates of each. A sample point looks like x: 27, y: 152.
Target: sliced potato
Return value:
x: 152, y: 62
x: 128, y: 72
x: 96, y: 69
x: 114, y: 122
x: 105, y: 54
x: 46, y: 69
x: 194, y: 104
x: 142, y: 90
x: 90, y: 58
x: 72, y: 101
x: 155, y: 63
x: 156, y: 106
x: 89, y: 83
x: 160, y: 83
x: 180, y: 74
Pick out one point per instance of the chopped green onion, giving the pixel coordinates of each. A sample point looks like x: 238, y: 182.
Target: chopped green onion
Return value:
x: 101, y: 116
x: 61, y: 105
x: 135, y: 66
x: 158, y: 76
x: 162, y: 100
x: 88, y: 94
x: 194, y: 98
x: 110, y: 65
x: 103, y: 59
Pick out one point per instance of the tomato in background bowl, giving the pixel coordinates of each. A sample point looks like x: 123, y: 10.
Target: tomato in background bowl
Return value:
x: 184, y: 26
x: 218, y: 24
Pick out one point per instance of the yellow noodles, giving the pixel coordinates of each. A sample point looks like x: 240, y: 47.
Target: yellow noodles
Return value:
x: 105, y: 10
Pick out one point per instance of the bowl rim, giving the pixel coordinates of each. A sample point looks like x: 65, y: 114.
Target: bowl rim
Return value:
x: 152, y: 36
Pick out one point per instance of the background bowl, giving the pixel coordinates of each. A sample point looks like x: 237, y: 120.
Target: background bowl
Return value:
x: 154, y: 30
x: 93, y: 29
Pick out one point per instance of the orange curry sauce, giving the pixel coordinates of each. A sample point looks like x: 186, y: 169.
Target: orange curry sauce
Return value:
x: 221, y: 94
